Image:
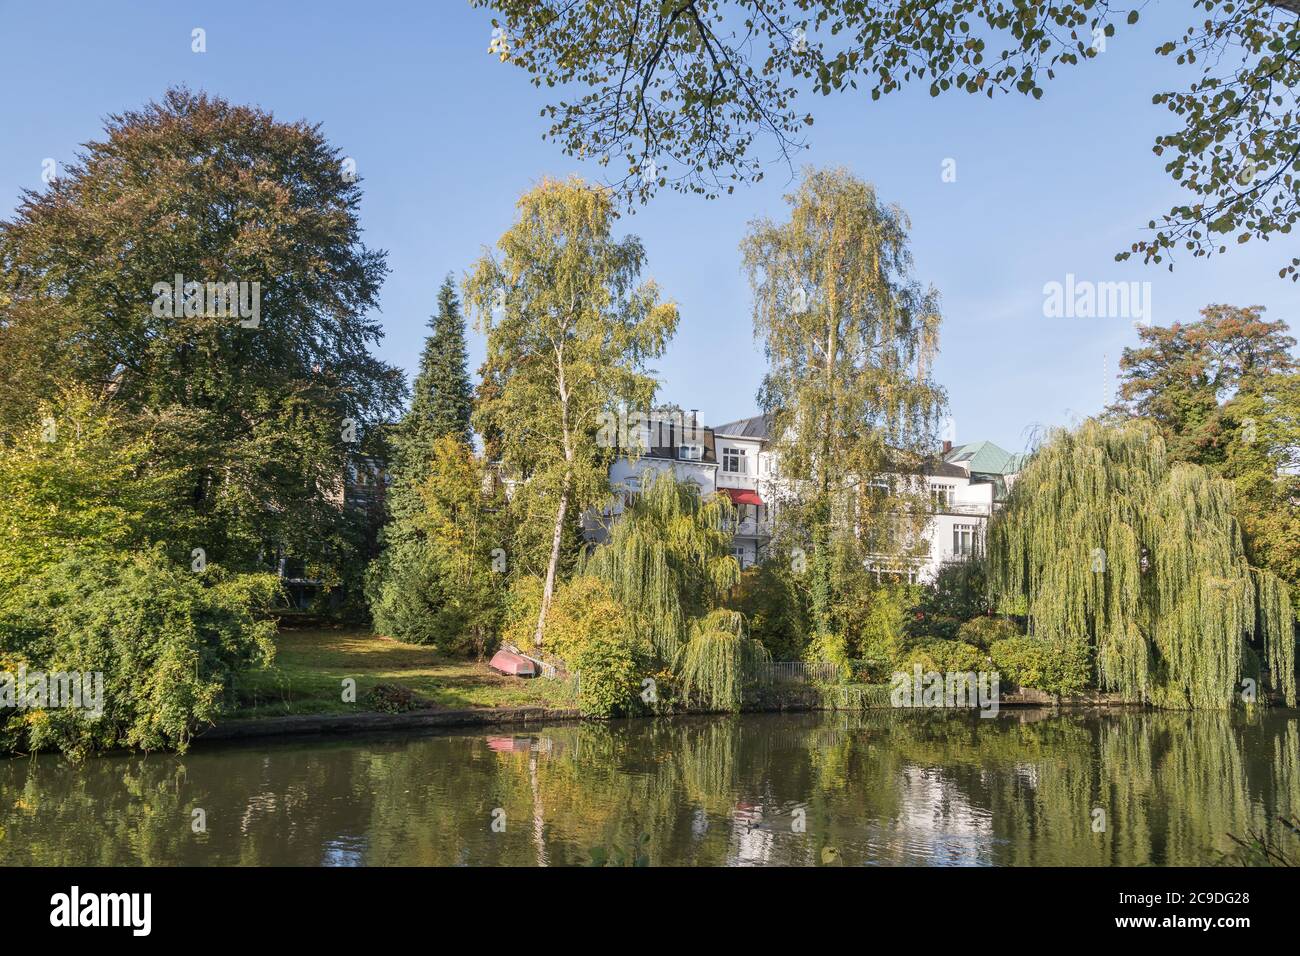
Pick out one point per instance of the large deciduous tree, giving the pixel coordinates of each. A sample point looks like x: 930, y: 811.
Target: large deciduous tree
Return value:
x: 677, y: 92
x: 1182, y: 376
x: 570, y: 328
x: 1113, y: 547
x: 1224, y: 393
x: 849, y: 336
x: 264, y: 406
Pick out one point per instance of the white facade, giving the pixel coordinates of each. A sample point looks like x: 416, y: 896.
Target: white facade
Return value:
x: 746, y: 470
x: 736, y: 460
x: 956, y: 530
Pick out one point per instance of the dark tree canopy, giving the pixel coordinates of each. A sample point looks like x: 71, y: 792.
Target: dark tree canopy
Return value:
x: 1182, y: 376
x: 1223, y: 392
x: 262, y: 414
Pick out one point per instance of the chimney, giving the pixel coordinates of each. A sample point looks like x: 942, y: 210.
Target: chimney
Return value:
x: 947, y: 446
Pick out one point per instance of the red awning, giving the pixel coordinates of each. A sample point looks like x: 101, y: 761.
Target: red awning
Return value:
x: 742, y: 496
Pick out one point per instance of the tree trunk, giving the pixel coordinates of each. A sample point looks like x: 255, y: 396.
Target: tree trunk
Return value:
x: 552, y: 566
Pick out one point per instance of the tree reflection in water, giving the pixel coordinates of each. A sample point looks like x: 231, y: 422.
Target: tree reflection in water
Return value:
x: 876, y: 788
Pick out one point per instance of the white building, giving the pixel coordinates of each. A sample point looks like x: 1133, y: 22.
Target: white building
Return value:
x: 965, y: 485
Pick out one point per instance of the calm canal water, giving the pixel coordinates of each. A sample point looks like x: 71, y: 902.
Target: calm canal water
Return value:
x: 879, y: 788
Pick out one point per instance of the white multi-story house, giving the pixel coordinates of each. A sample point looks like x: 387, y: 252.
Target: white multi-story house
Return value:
x: 964, y: 485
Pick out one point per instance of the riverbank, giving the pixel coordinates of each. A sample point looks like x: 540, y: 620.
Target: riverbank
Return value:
x: 306, y: 692
x: 372, y: 722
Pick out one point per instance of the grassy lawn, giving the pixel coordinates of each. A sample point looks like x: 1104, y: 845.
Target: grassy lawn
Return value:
x: 310, y: 666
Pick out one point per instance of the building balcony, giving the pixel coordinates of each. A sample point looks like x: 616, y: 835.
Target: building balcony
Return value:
x: 732, y: 479
x: 750, y: 528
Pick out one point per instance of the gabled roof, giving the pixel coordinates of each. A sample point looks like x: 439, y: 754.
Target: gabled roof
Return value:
x: 985, y: 458
x: 757, y: 426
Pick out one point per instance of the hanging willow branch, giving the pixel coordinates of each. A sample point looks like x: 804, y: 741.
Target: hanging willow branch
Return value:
x: 667, y: 559
x: 1107, y: 544
x: 712, y: 665
x: 1275, y: 621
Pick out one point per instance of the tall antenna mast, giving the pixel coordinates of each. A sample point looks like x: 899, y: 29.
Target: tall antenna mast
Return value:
x: 1105, y: 380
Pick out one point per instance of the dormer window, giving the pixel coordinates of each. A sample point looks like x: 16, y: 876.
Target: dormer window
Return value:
x: 690, y: 452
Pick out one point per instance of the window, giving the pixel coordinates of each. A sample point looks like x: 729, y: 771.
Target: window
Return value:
x: 941, y: 496
x: 733, y: 460
x: 690, y: 452
x: 739, y: 554
x: 965, y: 540
x: 879, y: 484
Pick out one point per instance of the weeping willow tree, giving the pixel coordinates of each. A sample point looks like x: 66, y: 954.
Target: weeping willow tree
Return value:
x: 667, y: 560
x: 712, y: 665
x: 850, y: 337
x: 1105, y: 543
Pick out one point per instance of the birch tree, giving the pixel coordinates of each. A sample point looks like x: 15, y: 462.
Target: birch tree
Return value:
x: 570, y: 328
x: 850, y: 337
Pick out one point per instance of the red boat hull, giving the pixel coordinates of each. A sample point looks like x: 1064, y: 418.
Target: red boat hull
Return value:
x: 512, y: 664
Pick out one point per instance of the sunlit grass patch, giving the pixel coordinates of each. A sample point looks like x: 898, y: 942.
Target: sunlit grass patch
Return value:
x: 311, y: 667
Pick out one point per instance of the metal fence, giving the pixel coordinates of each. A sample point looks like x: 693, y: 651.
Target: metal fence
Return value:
x: 794, y: 672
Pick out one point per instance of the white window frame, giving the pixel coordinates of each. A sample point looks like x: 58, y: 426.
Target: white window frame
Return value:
x: 735, y: 456
x: 942, y: 495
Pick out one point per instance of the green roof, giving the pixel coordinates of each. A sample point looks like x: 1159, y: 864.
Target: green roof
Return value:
x: 985, y: 458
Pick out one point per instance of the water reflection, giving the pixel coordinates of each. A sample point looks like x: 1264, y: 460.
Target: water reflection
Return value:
x: 881, y: 788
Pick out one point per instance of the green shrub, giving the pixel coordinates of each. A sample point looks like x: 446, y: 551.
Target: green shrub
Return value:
x: 394, y: 699
x: 589, y: 630
x: 830, y: 648
x: 769, y: 597
x: 958, y: 593
x: 944, y: 657
x: 882, y: 621
x: 169, y: 643
x: 1056, y: 667
x: 522, y: 602
x: 984, y: 631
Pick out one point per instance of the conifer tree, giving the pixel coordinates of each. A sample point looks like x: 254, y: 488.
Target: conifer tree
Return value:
x: 441, y: 402
x: 433, y: 583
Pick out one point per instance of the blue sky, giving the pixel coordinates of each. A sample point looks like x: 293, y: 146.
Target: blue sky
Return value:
x: 446, y: 137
